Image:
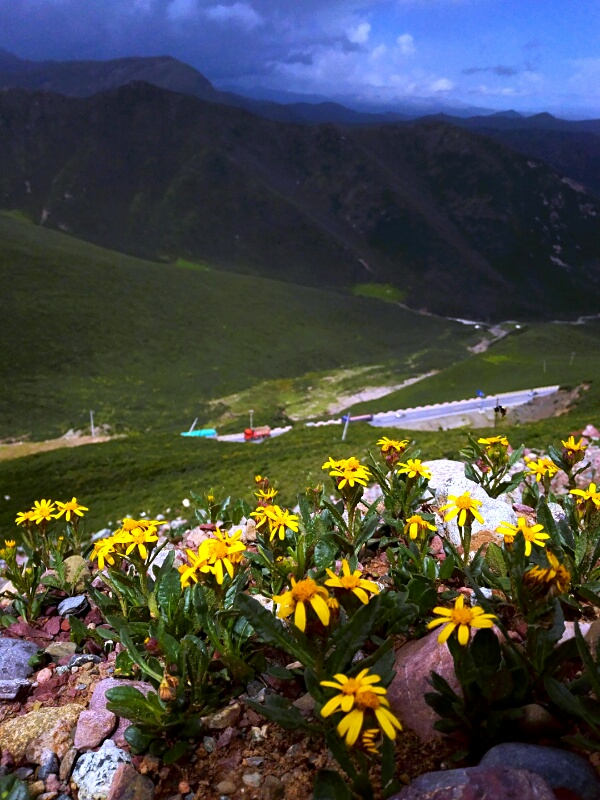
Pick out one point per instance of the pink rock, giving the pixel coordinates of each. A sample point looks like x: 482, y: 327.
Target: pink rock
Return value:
x: 415, y: 661
x: 52, y: 783
x: 52, y: 626
x: 93, y: 727
x: 590, y: 432
x: 99, y: 701
x: 128, y: 784
x: 500, y: 783
x: 44, y: 675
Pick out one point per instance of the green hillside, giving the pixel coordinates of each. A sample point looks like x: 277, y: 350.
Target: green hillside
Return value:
x: 147, y: 345
x: 539, y: 355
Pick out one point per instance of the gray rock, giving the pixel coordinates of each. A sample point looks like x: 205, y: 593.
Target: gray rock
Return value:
x: 49, y: 765
x: 58, y: 650
x: 273, y: 788
x: 14, y: 657
x: 73, y: 606
x: 209, y: 743
x: 493, y: 783
x: 448, y: 478
x: 67, y: 763
x: 223, y: 718
x: 94, y: 772
x: 559, y: 768
x: 79, y: 659
x: 252, y: 779
x: 23, y: 773
x: 13, y: 689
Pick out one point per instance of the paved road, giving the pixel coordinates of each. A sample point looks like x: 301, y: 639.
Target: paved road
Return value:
x: 506, y: 399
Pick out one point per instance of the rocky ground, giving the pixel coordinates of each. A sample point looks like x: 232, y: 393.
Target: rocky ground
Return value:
x: 57, y: 734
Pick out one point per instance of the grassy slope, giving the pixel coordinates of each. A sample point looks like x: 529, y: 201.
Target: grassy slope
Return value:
x: 516, y: 362
x: 153, y: 473
x: 146, y: 345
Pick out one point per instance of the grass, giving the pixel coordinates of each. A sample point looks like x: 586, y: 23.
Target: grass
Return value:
x: 538, y: 355
x: 148, y: 345
x: 380, y: 291
x: 154, y: 473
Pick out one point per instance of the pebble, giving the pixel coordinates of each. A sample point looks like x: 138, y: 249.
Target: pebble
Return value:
x: 66, y: 765
x: 49, y: 765
x: 305, y: 704
x: 224, y: 718
x: 255, y: 761
x: 52, y: 784
x: 128, y: 784
x: 79, y: 659
x: 293, y: 751
x: 23, y: 773
x: 36, y: 788
x: 94, y: 772
x: 273, y: 788
x: 47, y: 795
x: 58, y: 650
x: 73, y: 605
x: 258, y: 735
x: 44, y: 675
x: 209, y: 744
x: 252, y: 779
x: 225, y: 787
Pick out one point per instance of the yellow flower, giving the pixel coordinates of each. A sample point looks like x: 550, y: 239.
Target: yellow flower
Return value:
x: 465, y: 507
x: 461, y: 617
x: 260, y: 515
x: 349, y: 470
x: 133, y: 524
x: 10, y: 543
x: 368, y: 740
x: 416, y: 525
x: 279, y: 519
x: 575, y: 448
x: 591, y: 495
x: 414, y: 467
x: 348, y: 689
x: 555, y: 578
x: 24, y: 516
x: 188, y: 572
x: 266, y: 495
x: 42, y: 511
x: 105, y: 550
x: 294, y: 602
x: 71, y: 507
x: 392, y: 444
x: 541, y: 468
x: 357, y: 697
x: 221, y: 551
x: 352, y: 581
x: 491, y: 441
x: 533, y: 534
x: 138, y: 537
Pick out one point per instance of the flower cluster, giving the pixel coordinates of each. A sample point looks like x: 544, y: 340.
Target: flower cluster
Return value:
x: 216, y: 555
x: 349, y: 472
x: 43, y: 511
x: 133, y: 534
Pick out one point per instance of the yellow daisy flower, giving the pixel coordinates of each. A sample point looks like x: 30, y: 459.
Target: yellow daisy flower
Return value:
x: 42, y: 511
x: 465, y: 507
x: 24, y: 516
x: 589, y: 496
x: 353, y: 582
x: 349, y: 471
x: 71, y: 507
x: 541, y: 468
x: 414, y: 467
x: 295, y: 600
x: 348, y: 689
x: 461, y: 617
x: 222, y: 551
x: 279, y: 519
x: 533, y: 534
x: 392, y: 444
x: 555, y: 578
x: 491, y: 441
x: 416, y: 525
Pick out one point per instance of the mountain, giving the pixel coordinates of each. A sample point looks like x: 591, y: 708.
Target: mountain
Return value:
x: 462, y: 225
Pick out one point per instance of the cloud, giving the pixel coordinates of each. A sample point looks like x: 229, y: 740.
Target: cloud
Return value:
x: 442, y: 85
x: 501, y: 70
x: 360, y: 34
x: 180, y: 9
x: 241, y: 14
x: 406, y: 44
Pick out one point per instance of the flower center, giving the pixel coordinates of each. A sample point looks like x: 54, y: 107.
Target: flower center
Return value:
x: 351, y: 687
x: 218, y: 550
x: 304, y: 590
x: 462, y: 616
x: 350, y: 582
x: 367, y: 700
x: 464, y: 502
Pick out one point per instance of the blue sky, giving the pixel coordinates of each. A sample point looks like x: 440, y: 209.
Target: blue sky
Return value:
x: 529, y: 55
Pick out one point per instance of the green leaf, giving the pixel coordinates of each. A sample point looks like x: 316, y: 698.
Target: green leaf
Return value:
x: 349, y: 638
x: 280, y: 711
x: 176, y: 752
x: 281, y: 673
x: 128, y: 702
x: 495, y: 559
x: 590, y: 665
x: 137, y: 739
x: 271, y: 629
x: 168, y: 593
x: 446, y: 568
x: 486, y: 652
x: 325, y: 553
x: 136, y: 657
x: 330, y: 785
x: 562, y: 697
x: 11, y: 788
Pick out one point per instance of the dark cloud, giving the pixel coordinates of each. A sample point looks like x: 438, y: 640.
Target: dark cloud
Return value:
x: 501, y: 70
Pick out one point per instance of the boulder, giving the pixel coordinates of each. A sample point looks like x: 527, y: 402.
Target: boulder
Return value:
x: 559, y: 768
x: 93, y: 727
x: 98, y: 703
x: 491, y: 783
x: 14, y: 658
x: 44, y: 729
x: 415, y: 661
x: 448, y: 478
x: 128, y: 784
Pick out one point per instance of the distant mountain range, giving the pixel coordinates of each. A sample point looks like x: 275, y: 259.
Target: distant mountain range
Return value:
x: 145, y: 156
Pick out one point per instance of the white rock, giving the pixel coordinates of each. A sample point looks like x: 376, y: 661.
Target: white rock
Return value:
x: 94, y: 772
x: 448, y: 478
x: 557, y: 511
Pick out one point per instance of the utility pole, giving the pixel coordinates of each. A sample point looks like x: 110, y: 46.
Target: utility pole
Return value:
x: 251, y: 416
x: 92, y: 423
x: 346, y: 421
x: 572, y: 357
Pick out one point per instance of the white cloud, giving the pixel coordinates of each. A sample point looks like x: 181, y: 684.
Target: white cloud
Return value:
x: 241, y: 14
x: 360, y: 34
x: 179, y: 10
x: 407, y: 44
x: 442, y: 85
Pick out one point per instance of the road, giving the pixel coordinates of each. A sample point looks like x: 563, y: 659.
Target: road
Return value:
x: 388, y: 419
